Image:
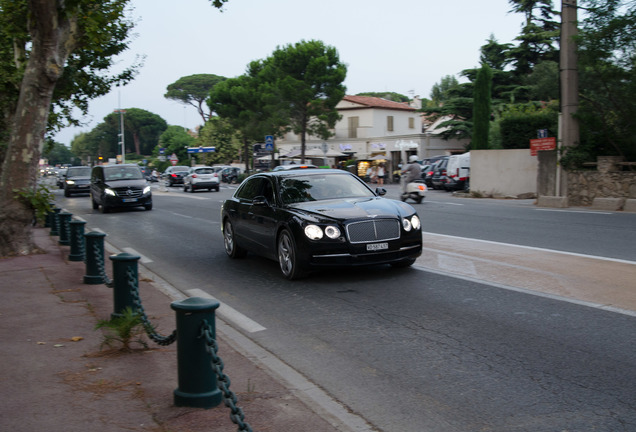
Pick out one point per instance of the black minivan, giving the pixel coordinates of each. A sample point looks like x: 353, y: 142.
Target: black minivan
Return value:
x: 120, y: 185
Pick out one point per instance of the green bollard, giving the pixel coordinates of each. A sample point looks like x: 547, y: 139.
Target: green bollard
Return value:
x: 49, y: 216
x: 77, y: 240
x: 64, y: 219
x: 198, y: 386
x: 55, y: 222
x: 94, y: 258
x: 124, y: 263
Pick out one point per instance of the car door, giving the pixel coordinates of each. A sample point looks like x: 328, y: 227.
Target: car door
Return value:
x: 262, y: 216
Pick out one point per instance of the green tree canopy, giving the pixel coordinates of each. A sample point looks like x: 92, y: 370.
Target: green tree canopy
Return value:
x: 141, y: 128
x: 303, y: 84
x: 481, y: 108
x: 194, y: 90
x: 175, y: 139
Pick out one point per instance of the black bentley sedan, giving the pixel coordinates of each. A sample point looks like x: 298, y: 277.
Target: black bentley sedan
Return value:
x: 308, y: 219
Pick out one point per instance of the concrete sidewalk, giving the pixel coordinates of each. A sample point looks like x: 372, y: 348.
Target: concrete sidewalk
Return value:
x: 56, y: 377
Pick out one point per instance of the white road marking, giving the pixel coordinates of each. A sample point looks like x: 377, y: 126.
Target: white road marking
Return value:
x: 142, y: 258
x: 228, y: 313
x: 533, y: 248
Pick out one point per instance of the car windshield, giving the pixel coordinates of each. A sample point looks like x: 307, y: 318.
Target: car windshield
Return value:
x: 122, y: 173
x: 322, y: 187
x: 79, y: 172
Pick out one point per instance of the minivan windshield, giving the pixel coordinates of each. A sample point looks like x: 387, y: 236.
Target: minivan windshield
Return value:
x: 78, y: 172
x: 122, y: 173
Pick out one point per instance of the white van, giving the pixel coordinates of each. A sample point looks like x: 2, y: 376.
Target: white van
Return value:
x: 458, y: 172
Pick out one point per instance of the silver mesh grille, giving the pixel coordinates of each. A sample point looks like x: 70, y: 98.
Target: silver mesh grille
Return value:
x: 373, y: 230
x: 129, y: 192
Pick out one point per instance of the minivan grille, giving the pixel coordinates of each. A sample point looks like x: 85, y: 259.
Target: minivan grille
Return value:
x: 373, y: 230
x: 129, y: 192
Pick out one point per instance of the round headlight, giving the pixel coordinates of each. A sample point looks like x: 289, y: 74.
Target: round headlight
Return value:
x: 313, y: 232
x: 332, y: 232
x: 415, y: 221
x: 406, y: 224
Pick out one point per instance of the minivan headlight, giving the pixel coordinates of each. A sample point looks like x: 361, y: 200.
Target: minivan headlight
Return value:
x: 146, y: 190
x: 109, y: 191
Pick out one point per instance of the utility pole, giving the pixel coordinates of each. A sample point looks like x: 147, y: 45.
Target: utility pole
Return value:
x: 568, y: 70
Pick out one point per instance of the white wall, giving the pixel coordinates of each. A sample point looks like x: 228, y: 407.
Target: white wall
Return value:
x: 503, y: 172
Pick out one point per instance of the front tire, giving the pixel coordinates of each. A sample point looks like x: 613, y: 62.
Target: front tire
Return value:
x: 229, y: 240
x: 288, y: 257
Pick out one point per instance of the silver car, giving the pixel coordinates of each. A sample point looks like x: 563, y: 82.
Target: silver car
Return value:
x: 203, y: 177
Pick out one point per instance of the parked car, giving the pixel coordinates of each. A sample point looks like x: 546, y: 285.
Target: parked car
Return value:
x: 201, y: 178
x: 120, y: 185
x: 230, y: 175
x: 427, y: 172
x: 458, y: 172
x: 173, y: 175
x: 77, y: 180
x: 438, y: 180
x: 308, y: 219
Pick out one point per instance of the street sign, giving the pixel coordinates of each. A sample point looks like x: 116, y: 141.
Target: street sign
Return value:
x: 201, y: 149
x: 174, y: 159
x: 542, y: 133
x: 540, y: 144
x: 269, y: 142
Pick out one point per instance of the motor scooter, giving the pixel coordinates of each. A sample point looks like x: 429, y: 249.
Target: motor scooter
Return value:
x: 415, y: 190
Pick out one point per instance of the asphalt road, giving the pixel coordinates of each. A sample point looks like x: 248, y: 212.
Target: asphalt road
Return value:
x: 420, y: 349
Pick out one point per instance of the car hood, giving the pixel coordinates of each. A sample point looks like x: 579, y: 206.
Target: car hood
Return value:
x: 354, y: 208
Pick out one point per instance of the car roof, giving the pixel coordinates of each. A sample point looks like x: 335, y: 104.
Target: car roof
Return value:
x: 304, y: 172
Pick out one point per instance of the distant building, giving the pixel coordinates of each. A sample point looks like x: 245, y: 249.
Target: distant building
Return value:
x: 373, y: 129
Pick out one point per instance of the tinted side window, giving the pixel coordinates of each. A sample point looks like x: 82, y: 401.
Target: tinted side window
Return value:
x: 250, y: 189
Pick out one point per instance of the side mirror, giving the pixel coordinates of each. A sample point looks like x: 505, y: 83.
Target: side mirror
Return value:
x: 260, y: 201
x: 380, y: 191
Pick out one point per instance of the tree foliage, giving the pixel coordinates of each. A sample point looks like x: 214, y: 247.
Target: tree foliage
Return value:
x: 53, y: 57
x: 175, y: 139
x: 194, y: 90
x: 220, y: 134
x: 297, y: 88
x: 302, y: 83
x: 607, y: 76
x: 392, y: 96
x: 481, y: 108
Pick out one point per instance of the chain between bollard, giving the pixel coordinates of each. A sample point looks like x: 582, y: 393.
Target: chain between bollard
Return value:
x: 150, y: 329
x: 229, y: 398
x: 101, y: 266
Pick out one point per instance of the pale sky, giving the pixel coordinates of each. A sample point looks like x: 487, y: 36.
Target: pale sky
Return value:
x: 402, y: 46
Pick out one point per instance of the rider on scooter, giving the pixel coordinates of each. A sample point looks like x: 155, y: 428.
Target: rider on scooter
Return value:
x: 411, y: 172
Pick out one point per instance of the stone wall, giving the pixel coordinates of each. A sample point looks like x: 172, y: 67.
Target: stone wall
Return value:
x: 606, y: 182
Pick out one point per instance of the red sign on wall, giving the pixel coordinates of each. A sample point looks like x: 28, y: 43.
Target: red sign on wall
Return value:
x: 542, y: 144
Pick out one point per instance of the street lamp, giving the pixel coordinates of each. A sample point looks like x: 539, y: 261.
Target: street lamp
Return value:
x: 121, y: 134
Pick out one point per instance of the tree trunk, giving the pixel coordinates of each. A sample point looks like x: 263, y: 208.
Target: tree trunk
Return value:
x: 53, y: 39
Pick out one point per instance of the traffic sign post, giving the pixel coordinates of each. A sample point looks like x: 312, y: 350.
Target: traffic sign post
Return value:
x: 541, y: 144
x: 201, y: 149
x: 269, y: 142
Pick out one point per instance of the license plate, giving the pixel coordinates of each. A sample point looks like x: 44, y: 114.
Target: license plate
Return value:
x: 127, y: 200
x: 377, y: 246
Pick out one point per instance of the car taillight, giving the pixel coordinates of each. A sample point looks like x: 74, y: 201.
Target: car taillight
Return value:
x: 443, y: 172
x: 194, y: 176
x: 173, y: 175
